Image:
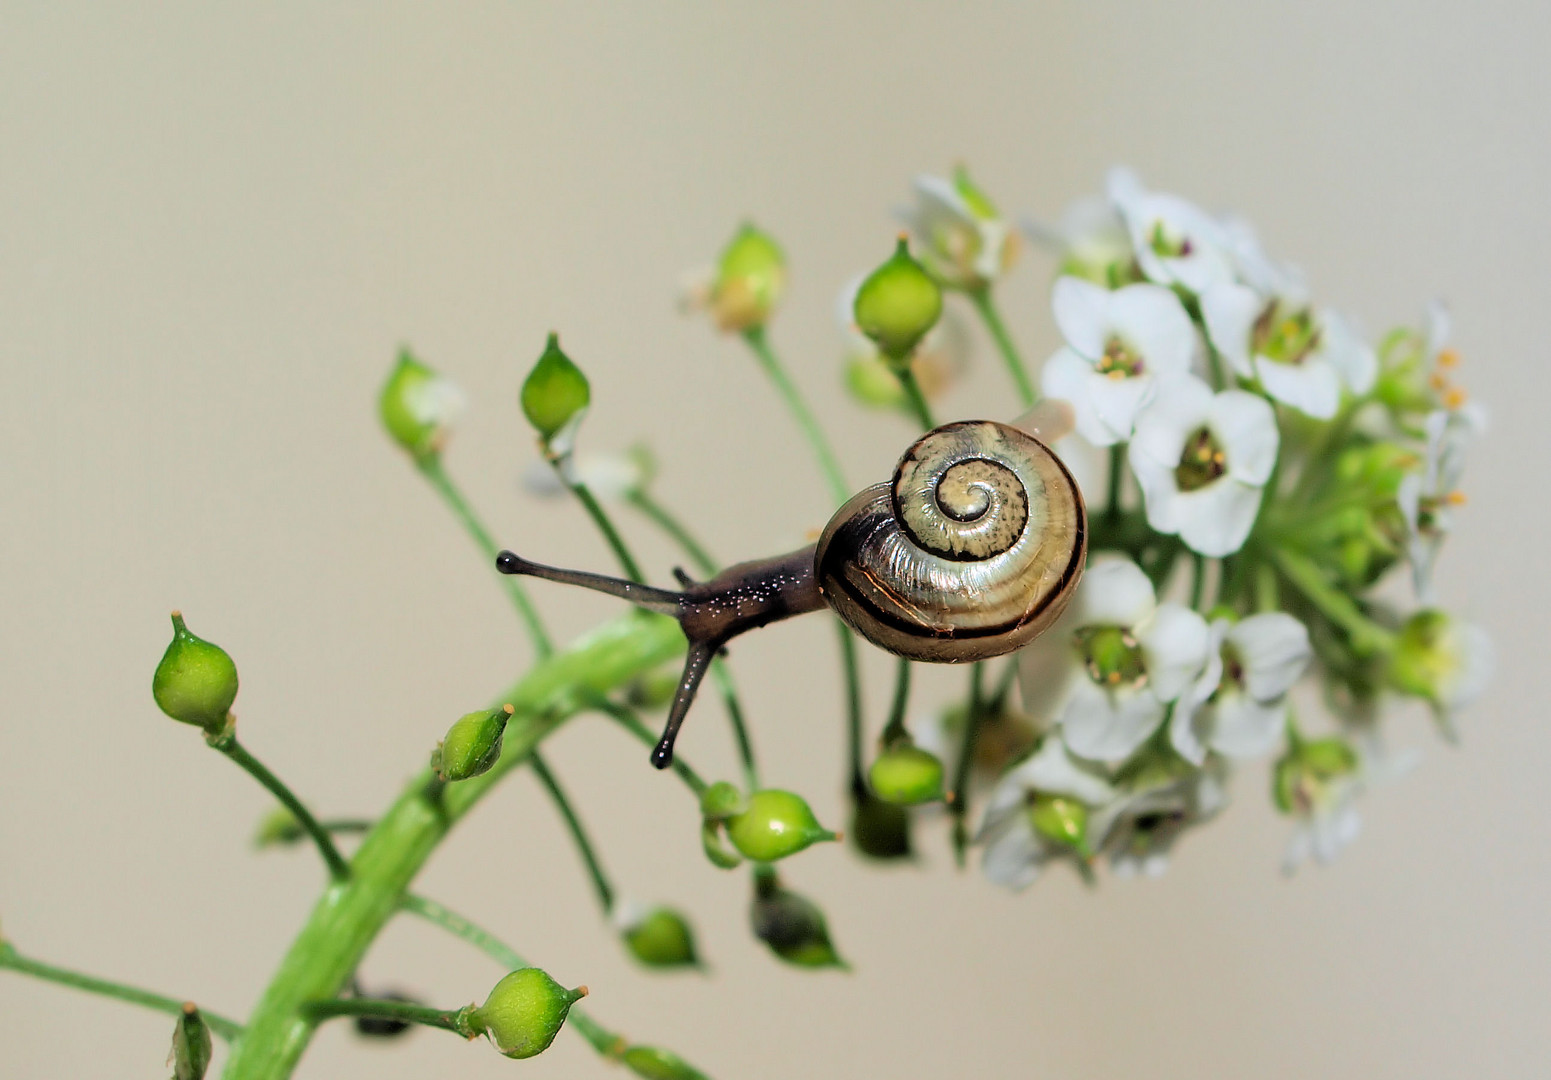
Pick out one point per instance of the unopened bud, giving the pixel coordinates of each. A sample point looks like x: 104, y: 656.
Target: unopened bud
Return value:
x: 191, y: 1049
x: 721, y: 801
x: 471, y: 745
x: 417, y: 406
x: 880, y: 830
x: 897, y: 304
x: 750, y: 281
x: 196, y: 682
x: 555, y: 392
x: 1061, y: 819
x: 775, y: 825
x: 793, y: 927
x: 279, y: 828
x: 661, y: 938
x: 906, y: 775
x: 524, y: 1012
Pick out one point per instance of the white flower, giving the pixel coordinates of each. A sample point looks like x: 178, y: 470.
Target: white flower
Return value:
x: 964, y: 242
x: 1090, y: 238
x: 1328, y: 823
x: 1302, y: 355
x: 1139, y: 827
x: 1015, y: 850
x: 1119, y: 346
x: 1444, y: 660
x: 1253, y: 266
x: 1175, y: 241
x: 1239, y: 705
x: 610, y: 477
x: 1427, y: 498
x: 1108, y: 668
x: 1201, y: 460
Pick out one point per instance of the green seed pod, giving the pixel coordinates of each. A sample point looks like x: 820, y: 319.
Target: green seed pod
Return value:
x: 775, y: 825
x: 906, y: 775
x: 196, y: 682
x: 524, y: 1012
x: 897, y: 304
x: 750, y: 281
x: 722, y: 800
x: 471, y: 745
x: 658, y: 1064
x: 555, y: 392
x: 879, y: 830
x: 1061, y: 819
x: 417, y: 406
x: 661, y: 938
x: 191, y: 1049
x: 793, y: 927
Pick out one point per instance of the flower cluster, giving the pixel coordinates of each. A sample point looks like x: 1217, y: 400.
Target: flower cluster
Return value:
x: 1282, y: 466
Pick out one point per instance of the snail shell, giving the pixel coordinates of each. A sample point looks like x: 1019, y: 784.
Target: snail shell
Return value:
x: 971, y: 551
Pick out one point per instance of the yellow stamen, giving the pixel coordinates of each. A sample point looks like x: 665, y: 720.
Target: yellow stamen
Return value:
x: 1454, y: 397
x: 1455, y: 498
x: 1437, y: 380
x: 1448, y: 358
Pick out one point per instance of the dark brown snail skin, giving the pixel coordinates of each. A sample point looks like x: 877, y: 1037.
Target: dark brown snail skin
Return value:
x: 970, y: 552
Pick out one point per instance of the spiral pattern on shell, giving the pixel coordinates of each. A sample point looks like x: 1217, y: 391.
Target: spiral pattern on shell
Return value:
x: 971, y: 551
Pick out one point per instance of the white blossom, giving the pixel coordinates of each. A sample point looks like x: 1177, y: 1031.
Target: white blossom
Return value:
x: 1139, y: 827
x: 1107, y: 670
x: 1014, y: 851
x: 1238, y: 707
x: 1427, y: 499
x: 610, y: 476
x: 1201, y: 460
x: 1090, y: 238
x: 1175, y: 241
x: 964, y: 242
x: 1120, y: 346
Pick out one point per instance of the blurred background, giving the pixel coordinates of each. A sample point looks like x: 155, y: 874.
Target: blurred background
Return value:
x: 216, y: 227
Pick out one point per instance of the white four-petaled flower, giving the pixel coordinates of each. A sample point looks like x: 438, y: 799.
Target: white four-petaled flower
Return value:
x: 1238, y: 707
x: 1014, y: 850
x: 964, y: 242
x: 1175, y: 241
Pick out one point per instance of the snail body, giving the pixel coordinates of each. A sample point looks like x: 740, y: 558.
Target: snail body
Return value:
x: 970, y: 552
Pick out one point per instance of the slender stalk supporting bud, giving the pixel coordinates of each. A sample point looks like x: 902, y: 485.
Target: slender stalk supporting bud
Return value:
x: 454, y: 1020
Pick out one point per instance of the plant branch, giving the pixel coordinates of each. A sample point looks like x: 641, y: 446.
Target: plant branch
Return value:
x: 981, y: 297
x: 226, y: 742
x: 600, y: 881
x: 454, y: 1020
x: 839, y: 490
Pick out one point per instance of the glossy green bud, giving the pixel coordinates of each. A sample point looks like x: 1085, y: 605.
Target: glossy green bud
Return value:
x: 906, y: 775
x: 879, y: 830
x: 750, y: 281
x: 196, y: 682
x: 191, y: 1050
x: 655, y: 1063
x: 472, y: 744
x: 775, y: 825
x: 555, y: 393
x: 661, y: 938
x: 793, y: 927
x: 1061, y: 819
x: 897, y: 304
x: 417, y: 406
x: 722, y: 800
x: 524, y: 1012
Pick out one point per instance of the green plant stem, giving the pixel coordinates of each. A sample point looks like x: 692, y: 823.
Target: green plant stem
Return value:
x: 600, y: 880
x: 454, y: 1020
x: 958, y: 804
x: 1267, y: 594
x: 669, y: 524
x: 15, y: 961
x: 602, y: 1040
x: 839, y: 490
x: 431, y: 468
x: 981, y: 298
x: 853, y: 706
x: 627, y: 719
x: 616, y: 543
x: 913, y: 395
x: 349, y: 915
x: 894, y: 730
x: 1197, y: 580
x: 1004, y: 685
x: 1367, y: 636
x: 226, y: 742
x: 1117, y: 466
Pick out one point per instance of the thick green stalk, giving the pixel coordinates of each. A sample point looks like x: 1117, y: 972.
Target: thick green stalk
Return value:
x: 349, y: 915
x: 981, y: 297
x: 10, y: 958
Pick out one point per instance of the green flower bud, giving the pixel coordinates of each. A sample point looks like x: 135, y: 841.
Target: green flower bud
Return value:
x: 1061, y: 819
x: 1440, y: 659
x: 658, y: 1064
x: 722, y: 800
x: 1306, y: 768
x: 555, y: 393
x: 471, y: 745
x: 897, y: 304
x: 524, y: 1012
x: 906, y: 775
x: 715, y: 850
x: 793, y: 927
x: 750, y: 281
x: 880, y: 830
x: 196, y: 682
x: 775, y: 825
x: 191, y: 1049
x: 417, y: 406
x: 661, y: 938
x: 279, y: 828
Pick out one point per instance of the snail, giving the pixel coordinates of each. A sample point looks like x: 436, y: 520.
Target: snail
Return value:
x: 970, y: 552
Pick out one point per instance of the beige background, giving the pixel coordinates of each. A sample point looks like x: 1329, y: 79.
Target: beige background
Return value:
x: 216, y: 226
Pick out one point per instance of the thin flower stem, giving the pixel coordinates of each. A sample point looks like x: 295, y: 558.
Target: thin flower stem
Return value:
x: 1367, y: 636
x: 853, y: 705
x: 981, y: 297
x: 895, y: 728
x: 605, y: 526
x: 839, y: 490
x: 454, y: 1020
x: 15, y: 961
x: 627, y: 719
x: 431, y: 467
x: 600, y: 880
x: 958, y: 801
x: 1267, y: 593
x: 1117, y: 466
x: 913, y: 395
x: 1214, y: 364
x: 1197, y: 580
x: 660, y: 516
x: 226, y: 742
x: 1003, y: 690
x: 603, y: 1041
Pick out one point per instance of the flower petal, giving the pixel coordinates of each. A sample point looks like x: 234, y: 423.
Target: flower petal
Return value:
x: 1274, y: 648
x: 1079, y: 308
x: 1108, y: 725
x: 1215, y: 520
x: 1151, y: 320
x: 1013, y: 856
x: 1311, y: 387
x: 1174, y: 642
x: 1246, y: 424
x: 1068, y: 377
x: 1238, y: 726
x: 1114, y: 592
x: 1229, y: 311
